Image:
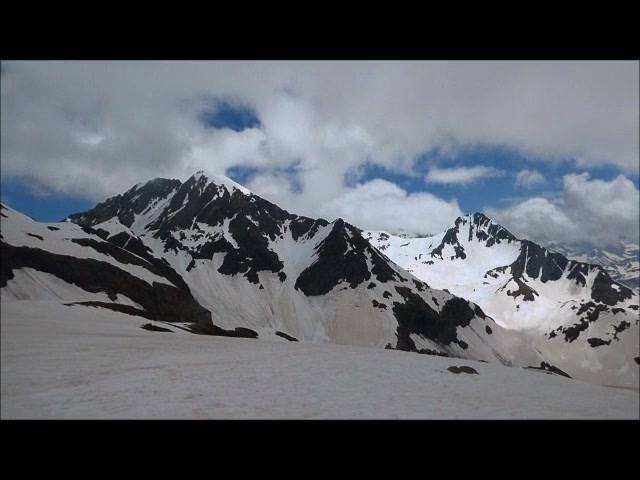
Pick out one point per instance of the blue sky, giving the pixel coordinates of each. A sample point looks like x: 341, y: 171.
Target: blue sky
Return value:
x: 495, y: 192
x: 51, y: 207
x: 223, y: 114
x: 549, y: 147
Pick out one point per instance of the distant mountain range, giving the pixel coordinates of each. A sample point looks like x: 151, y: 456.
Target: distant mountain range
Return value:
x: 211, y: 257
x: 621, y: 261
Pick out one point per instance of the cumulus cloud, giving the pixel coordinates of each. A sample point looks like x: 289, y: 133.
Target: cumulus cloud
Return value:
x: 93, y: 129
x: 590, y: 211
x: 280, y: 188
x: 461, y: 175
x: 529, y: 179
x: 382, y: 205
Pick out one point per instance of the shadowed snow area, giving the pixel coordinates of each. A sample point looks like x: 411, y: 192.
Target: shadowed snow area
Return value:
x: 77, y: 362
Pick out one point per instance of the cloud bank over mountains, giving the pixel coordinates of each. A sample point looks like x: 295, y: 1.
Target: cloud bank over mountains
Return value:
x: 588, y: 210
x: 93, y: 129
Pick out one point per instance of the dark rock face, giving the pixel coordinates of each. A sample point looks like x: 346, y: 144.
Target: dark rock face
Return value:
x: 342, y: 257
x: 457, y: 311
x: 142, y: 257
x: 450, y: 238
x: 621, y: 327
x: 415, y: 316
x: 252, y: 222
x: 103, y: 234
x: 379, y: 305
x: 597, y: 342
x: 286, y: 336
x: 117, y: 307
x: 125, y: 206
x: 588, y: 312
x: 551, y: 369
x: 528, y: 293
x: 154, y: 328
x: 572, y: 332
x: 132, y: 244
x: 603, y: 291
x: 214, y: 330
x: 463, y: 369
x: 426, y: 351
x: 305, y: 227
x: 160, y: 301
x: 478, y: 311
x: 253, y: 255
x: 537, y: 262
x: 480, y: 227
x: 419, y: 285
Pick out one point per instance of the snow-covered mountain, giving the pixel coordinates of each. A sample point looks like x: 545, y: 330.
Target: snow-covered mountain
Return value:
x: 575, y: 314
x: 240, y: 266
x: 63, y: 261
x: 621, y: 261
x: 211, y: 257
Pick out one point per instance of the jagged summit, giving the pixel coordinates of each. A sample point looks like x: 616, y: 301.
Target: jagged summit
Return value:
x: 467, y: 231
x: 206, y: 177
x: 140, y: 198
x: 484, y: 227
x: 576, y: 307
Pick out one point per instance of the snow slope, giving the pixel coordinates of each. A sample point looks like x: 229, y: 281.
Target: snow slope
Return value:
x: 63, y: 261
x: 220, y: 260
x: 572, y: 313
x: 91, y: 363
x: 255, y: 266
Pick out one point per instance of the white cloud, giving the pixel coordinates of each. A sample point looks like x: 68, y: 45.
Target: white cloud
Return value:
x: 461, y: 175
x: 388, y: 112
x: 94, y: 129
x: 277, y: 188
x: 382, y: 205
x: 588, y: 211
x: 529, y: 179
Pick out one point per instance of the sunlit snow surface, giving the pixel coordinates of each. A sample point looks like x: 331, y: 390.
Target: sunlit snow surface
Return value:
x: 81, y: 362
x: 556, y: 303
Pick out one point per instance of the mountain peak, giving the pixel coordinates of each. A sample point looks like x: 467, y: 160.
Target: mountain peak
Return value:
x: 206, y: 177
x: 481, y: 227
x: 477, y: 218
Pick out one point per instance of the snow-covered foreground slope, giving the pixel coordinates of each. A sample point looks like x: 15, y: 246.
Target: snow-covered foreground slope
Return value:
x: 82, y: 362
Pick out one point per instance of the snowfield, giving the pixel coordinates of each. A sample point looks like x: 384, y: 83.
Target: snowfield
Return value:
x: 82, y: 362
